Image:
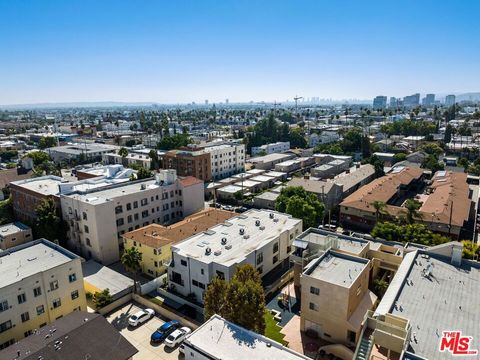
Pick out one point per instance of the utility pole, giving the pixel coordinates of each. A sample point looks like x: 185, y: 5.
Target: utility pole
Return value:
x: 296, y: 98
x: 275, y: 104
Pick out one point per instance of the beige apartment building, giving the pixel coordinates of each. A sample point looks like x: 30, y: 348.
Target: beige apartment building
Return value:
x: 14, y: 234
x: 40, y: 282
x: 335, y: 297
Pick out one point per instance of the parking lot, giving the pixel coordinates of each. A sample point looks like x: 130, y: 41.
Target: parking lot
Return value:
x: 140, y: 335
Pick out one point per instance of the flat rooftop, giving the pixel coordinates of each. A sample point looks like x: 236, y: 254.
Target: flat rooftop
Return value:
x: 268, y: 195
x: 12, y: 228
x: 336, y: 268
x: 256, y: 171
x: 45, y: 185
x: 221, y: 339
x: 230, y: 189
x: 447, y: 300
x: 270, y: 157
x: 25, y: 260
x: 103, y: 277
x: 261, y: 178
x: 343, y: 243
x: 241, y: 245
x: 78, y: 148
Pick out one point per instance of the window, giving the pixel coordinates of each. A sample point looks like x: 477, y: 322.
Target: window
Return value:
x: 351, y: 336
x: 85, y: 227
x: 84, y: 215
x: 144, y: 202
x: 25, y: 316
x: 221, y: 275
x: 28, y: 333
x: 275, y: 248
x: 74, y: 294
x: 21, y: 298
x: 54, y: 285
x: 260, y: 270
x: 3, y: 305
x: 72, y: 277
x: 157, y: 251
x: 183, y: 262
x: 120, y: 222
x: 40, y: 309
x: 135, y: 217
x: 259, y: 258
x: 129, y: 206
x: 144, y: 213
x: 313, y: 306
x: 155, y: 263
x: 7, y: 344
x: 275, y: 259
x: 88, y: 242
x: 314, y: 290
x: 5, y: 326
x: 57, y: 303
x: 37, y: 291
x: 202, y: 272
x: 135, y: 204
x: 118, y: 209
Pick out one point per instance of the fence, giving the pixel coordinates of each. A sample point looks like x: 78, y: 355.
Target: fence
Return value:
x: 180, y: 300
x: 151, y: 285
x: 115, y: 304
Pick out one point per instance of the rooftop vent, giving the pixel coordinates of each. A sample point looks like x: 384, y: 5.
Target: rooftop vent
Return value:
x: 224, y: 241
x: 242, y: 231
x: 271, y: 215
x: 228, y: 247
x: 275, y: 220
x: 262, y: 227
x: 143, y: 186
x: 218, y: 252
x: 208, y: 251
x: 257, y: 222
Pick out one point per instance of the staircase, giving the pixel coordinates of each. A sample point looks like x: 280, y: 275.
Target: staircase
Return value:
x: 363, y: 349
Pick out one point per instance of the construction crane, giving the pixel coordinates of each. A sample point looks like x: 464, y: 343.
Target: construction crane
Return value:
x: 275, y: 104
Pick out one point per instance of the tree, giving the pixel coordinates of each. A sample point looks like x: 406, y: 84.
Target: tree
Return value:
x: 38, y: 157
x: 412, y: 207
x: 379, y: 207
x: 448, y: 134
x: 378, y: 165
x: 399, y: 157
x: 123, y: 152
x: 432, y: 149
x: 299, y: 203
x: 102, y: 298
x: 49, y: 224
x: 8, y: 155
x: 241, y: 301
x: 47, y: 142
x: 132, y: 260
x: 380, y: 286
x: 432, y: 163
x: 417, y: 233
x: 6, y: 211
x: 143, y: 173
x: 153, y: 154
x: 470, y: 250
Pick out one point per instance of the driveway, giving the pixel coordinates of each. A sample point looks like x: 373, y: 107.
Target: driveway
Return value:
x: 140, y: 336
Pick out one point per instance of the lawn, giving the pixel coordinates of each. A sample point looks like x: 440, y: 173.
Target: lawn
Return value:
x: 272, y: 330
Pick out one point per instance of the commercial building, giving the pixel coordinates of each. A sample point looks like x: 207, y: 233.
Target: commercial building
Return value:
x: 278, y: 147
x: 154, y: 241
x: 14, y: 234
x: 258, y: 237
x: 79, y: 335
x: 379, y: 102
x: 431, y: 293
x: 268, y: 162
x: 411, y: 100
x: 335, y: 297
x: 188, y: 162
x: 98, y: 217
x: 39, y: 283
x: 428, y: 100
x: 450, y: 100
x: 80, y: 152
x: 218, y: 338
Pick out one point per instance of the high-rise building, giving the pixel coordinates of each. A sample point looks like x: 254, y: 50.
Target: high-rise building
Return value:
x: 450, y: 100
x: 206, y: 102
x: 411, y: 100
x: 226, y: 101
x: 428, y: 100
x: 393, y: 102
x: 380, y: 102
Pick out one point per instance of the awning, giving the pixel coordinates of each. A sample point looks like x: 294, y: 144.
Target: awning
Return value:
x: 301, y: 244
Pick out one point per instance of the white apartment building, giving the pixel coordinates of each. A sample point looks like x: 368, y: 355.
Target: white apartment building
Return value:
x: 98, y: 217
x: 226, y: 159
x: 278, y: 147
x: 39, y: 283
x: 122, y: 126
x: 134, y: 159
x: 261, y: 238
x: 326, y: 137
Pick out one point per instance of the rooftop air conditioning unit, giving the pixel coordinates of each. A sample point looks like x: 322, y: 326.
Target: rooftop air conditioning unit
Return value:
x: 262, y: 227
x: 275, y: 220
x: 228, y: 247
x: 218, y: 252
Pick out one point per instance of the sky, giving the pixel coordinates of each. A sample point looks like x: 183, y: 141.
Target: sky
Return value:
x: 183, y: 51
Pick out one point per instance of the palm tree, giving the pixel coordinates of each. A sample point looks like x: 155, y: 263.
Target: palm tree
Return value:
x: 132, y: 259
x: 379, y: 207
x: 123, y: 152
x: 412, y: 207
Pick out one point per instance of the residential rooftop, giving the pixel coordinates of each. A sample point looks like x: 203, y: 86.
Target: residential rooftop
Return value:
x: 221, y: 339
x: 12, y: 228
x: 270, y: 157
x: 325, y: 239
x: 445, y: 300
x: 28, y: 259
x: 45, y: 185
x: 156, y: 236
x: 78, y: 335
x: 102, y: 277
x: 237, y: 244
x: 336, y: 268
x: 79, y: 148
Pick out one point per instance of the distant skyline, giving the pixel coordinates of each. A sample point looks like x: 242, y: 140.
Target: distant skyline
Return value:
x: 184, y: 51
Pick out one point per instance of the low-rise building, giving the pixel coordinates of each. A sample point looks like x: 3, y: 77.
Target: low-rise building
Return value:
x: 154, y: 241
x: 268, y: 162
x: 335, y: 297
x: 329, y: 193
x: 98, y: 217
x: 80, y: 152
x: 188, y: 162
x: 114, y: 172
x: 278, y: 147
x: 218, y: 338
x: 325, y: 137
x: 258, y: 237
x: 14, y: 234
x: 132, y: 159
x: 326, y: 158
x: 79, y: 335
x: 39, y: 283
x: 266, y: 200
x: 226, y: 159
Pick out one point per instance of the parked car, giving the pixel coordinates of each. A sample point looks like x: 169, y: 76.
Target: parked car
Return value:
x: 177, y: 336
x: 241, y: 209
x: 140, y: 317
x: 163, y: 331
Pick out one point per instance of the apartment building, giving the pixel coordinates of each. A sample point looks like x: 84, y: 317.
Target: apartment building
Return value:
x: 188, y: 162
x: 258, y: 237
x: 39, y: 283
x: 226, y: 159
x: 218, y: 338
x: 154, y: 241
x: 132, y: 159
x: 14, y: 234
x: 99, y: 217
x: 325, y: 137
x: 335, y: 297
x: 80, y: 152
x: 278, y: 147
x: 268, y: 162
